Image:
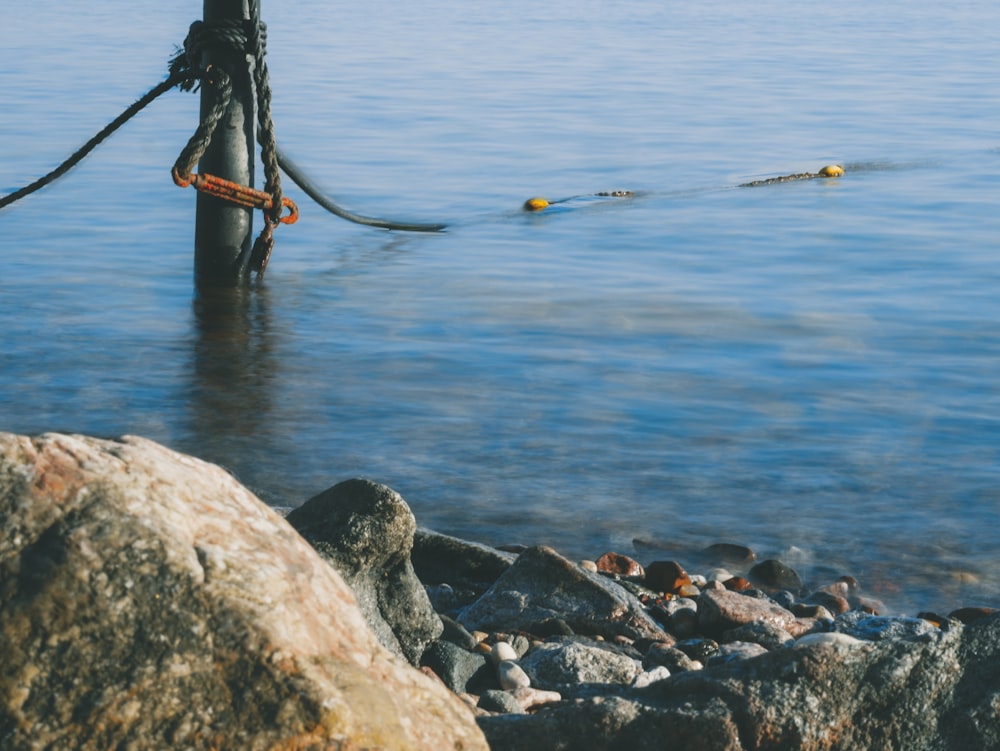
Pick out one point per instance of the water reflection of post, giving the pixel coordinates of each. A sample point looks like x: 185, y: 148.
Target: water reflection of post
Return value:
x: 232, y: 376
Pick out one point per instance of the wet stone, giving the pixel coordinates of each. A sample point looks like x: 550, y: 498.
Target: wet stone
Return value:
x: 666, y: 576
x: 616, y: 563
x: 773, y: 575
x: 730, y: 553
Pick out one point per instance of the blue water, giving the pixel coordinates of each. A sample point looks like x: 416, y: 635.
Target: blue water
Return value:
x: 808, y: 368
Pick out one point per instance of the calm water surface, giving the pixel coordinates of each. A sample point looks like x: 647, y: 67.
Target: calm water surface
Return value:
x: 809, y: 368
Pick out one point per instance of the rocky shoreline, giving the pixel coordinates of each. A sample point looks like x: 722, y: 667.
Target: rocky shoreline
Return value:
x: 147, y: 600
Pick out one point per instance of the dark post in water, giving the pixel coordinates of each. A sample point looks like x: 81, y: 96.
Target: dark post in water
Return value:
x: 223, y: 230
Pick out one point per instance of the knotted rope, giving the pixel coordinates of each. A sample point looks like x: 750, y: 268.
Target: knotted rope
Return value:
x: 247, y: 37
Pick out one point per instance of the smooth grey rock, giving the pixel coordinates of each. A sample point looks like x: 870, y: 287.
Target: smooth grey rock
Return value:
x: 456, y: 633
x: 149, y: 601
x: 936, y: 692
x: 511, y: 675
x: 442, y: 559
x: 766, y: 634
x: 365, y: 531
x: 543, y: 586
x: 460, y: 670
x: 556, y: 665
x: 501, y: 702
x: 863, y: 625
x: 737, y: 650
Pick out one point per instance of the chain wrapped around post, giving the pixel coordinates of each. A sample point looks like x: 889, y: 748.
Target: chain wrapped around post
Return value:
x: 248, y: 37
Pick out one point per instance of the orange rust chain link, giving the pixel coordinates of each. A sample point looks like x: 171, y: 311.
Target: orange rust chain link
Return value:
x: 242, y: 195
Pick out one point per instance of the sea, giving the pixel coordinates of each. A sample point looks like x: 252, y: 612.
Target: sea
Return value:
x: 810, y: 368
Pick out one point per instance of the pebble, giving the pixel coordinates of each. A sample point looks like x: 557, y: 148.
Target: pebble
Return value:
x: 666, y: 576
x: 502, y: 651
x: 616, y: 563
x: 670, y: 657
x: 511, y: 675
x: 737, y: 650
x: 721, y: 611
x: 529, y: 698
x: 500, y: 702
x: 590, y: 566
x: 773, y: 575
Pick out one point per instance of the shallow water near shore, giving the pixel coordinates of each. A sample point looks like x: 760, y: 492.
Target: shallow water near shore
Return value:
x: 808, y: 368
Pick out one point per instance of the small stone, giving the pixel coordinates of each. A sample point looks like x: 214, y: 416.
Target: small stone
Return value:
x: 560, y: 663
x: 500, y: 702
x: 688, y: 590
x: 737, y: 584
x: 968, y: 615
x: 502, y: 651
x: 668, y: 656
x: 590, y: 566
x: 767, y: 635
x: 718, y: 574
x: 725, y: 610
x: 616, y: 563
x: 456, y: 634
x: 458, y: 668
x: 666, y: 576
x: 684, y: 623
x: 511, y: 675
x: 773, y: 575
x: 529, y: 698
x: 730, y: 553
x: 737, y: 650
x: 647, y: 677
x: 834, y: 603
x: 806, y: 610
x: 698, y: 649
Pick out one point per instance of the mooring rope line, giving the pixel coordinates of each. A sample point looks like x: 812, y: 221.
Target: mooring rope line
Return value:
x: 250, y: 37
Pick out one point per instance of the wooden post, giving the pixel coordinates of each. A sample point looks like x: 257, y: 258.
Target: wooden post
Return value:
x: 224, y: 230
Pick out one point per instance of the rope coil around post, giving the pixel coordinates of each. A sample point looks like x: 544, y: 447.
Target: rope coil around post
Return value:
x: 248, y: 37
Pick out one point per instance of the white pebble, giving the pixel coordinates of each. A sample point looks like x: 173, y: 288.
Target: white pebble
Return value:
x: 502, y: 651
x: 589, y: 566
x: 659, y: 673
x: 512, y: 676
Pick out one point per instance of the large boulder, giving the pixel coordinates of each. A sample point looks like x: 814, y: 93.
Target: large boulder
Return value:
x: 365, y: 531
x: 933, y: 692
x: 147, y: 600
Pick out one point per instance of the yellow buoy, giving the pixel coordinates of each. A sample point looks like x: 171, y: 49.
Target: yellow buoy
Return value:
x: 535, y: 204
x: 831, y: 170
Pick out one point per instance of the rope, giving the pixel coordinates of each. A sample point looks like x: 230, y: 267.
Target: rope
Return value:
x: 311, y: 190
x: 78, y: 156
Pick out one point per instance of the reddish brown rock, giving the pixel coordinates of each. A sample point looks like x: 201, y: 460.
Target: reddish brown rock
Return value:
x: 616, y: 563
x: 836, y: 604
x: 721, y: 610
x: 666, y: 576
x: 737, y: 584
